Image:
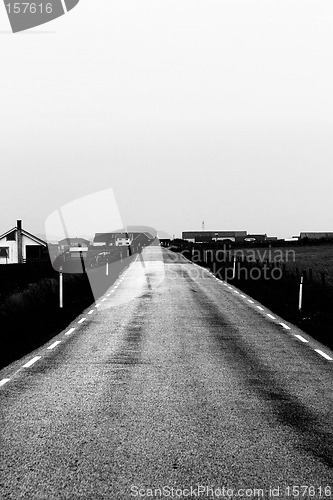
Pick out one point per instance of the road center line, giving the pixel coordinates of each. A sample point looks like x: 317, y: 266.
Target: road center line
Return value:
x: 302, y: 339
x: 82, y: 320
x: 324, y: 355
x: 90, y: 312
x: 31, y: 362
x: 235, y: 291
x: 52, y: 346
x: 261, y: 308
x: 244, y: 296
x: 4, y: 381
x: 71, y: 330
x: 251, y: 301
x: 271, y: 316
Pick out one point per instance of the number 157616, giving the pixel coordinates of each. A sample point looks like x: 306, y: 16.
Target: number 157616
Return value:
x: 29, y: 8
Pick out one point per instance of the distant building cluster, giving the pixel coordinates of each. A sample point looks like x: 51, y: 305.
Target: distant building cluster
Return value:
x: 18, y: 246
x: 244, y: 237
x: 226, y: 236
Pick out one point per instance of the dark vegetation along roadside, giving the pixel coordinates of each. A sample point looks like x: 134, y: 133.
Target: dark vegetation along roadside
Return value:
x: 29, y: 303
x: 273, y: 275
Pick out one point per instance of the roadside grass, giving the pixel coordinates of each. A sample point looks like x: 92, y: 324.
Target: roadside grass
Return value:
x: 319, y: 258
x: 29, y: 304
x: 281, y: 295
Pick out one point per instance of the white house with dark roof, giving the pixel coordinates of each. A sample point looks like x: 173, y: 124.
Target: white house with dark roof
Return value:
x: 18, y: 246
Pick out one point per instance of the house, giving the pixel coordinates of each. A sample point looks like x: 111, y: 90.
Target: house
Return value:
x: 74, y: 245
x: 121, y: 238
x: 18, y: 246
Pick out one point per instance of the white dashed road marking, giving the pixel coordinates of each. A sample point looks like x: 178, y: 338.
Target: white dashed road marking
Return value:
x: 244, y: 296
x: 90, y: 312
x: 31, y: 362
x: 52, y: 346
x: 82, y: 320
x: 271, y: 316
x: 324, y: 355
x: 261, y: 308
x: 251, y: 301
x: 71, y: 330
x: 286, y: 327
x: 4, y: 381
x: 302, y: 339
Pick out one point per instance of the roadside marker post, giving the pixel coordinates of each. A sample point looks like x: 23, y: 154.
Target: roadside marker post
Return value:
x: 300, y: 297
x: 107, y: 268
x: 234, y: 269
x: 61, y: 291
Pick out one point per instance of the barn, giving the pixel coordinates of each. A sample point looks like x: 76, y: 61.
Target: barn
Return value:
x: 18, y: 246
x: 316, y: 236
x: 208, y: 236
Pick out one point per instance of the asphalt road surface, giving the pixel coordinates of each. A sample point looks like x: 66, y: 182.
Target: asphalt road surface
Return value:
x: 174, y: 381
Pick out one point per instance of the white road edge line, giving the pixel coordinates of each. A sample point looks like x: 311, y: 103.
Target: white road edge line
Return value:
x: 52, y: 346
x: 4, y: 381
x: 286, y: 327
x: 324, y: 355
x: 31, y: 362
x: 82, y: 320
x: 71, y: 330
x: 302, y: 339
x: 271, y: 316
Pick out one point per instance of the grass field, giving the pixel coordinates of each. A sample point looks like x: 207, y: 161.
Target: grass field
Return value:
x: 319, y: 258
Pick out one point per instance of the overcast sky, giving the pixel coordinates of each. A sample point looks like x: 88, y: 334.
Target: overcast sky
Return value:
x: 189, y: 110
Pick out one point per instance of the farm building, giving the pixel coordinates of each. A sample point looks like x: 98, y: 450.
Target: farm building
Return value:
x: 18, y: 246
x: 208, y: 236
x: 316, y: 236
x: 119, y: 238
x: 74, y: 244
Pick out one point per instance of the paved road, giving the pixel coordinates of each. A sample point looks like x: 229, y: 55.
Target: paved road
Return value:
x: 187, y: 384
